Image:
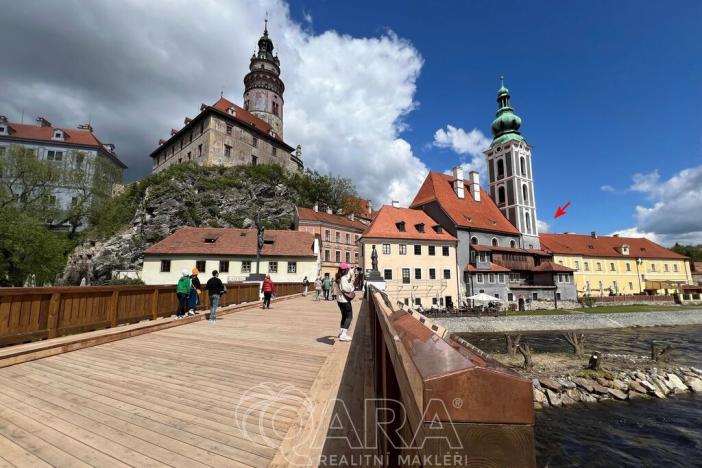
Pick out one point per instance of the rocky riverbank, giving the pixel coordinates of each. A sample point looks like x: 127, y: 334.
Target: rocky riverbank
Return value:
x: 622, y: 385
x: 581, y: 321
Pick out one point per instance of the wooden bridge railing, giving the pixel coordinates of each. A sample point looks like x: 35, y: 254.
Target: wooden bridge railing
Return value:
x: 28, y: 314
x: 458, y: 402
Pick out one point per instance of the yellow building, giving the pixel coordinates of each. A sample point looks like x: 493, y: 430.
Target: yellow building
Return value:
x: 606, y: 265
x: 416, y: 257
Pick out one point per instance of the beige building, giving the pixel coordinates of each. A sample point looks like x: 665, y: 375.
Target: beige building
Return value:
x: 338, y: 236
x: 416, y: 257
x: 288, y: 256
x: 613, y: 265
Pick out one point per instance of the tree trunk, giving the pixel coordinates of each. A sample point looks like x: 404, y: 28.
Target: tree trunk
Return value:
x: 525, y: 351
x: 512, y: 343
x: 576, y: 341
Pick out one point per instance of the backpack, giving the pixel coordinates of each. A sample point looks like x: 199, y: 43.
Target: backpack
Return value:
x: 183, y: 285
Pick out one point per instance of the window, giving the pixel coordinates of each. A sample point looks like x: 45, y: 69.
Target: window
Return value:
x: 577, y: 265
x: 80, y: 158
x: 348, y: 257
x: 474, y: 240
x: 419, y: 227
x: 500, y: 169
x: 199, y: 149
x: 432, y: 273
x: 52, y: 155
x: 254, y: 160
x: 327, y: 235
x: 500, y: 195
x: 224, y: 266
x: 599, y: 266
x: 445, y: 251
x: 675, y: 267
x: 292, y: 267
x: 665, y: 267
x: 272, y: 267
x: 338, y: 237
x: 447, y: 274
x: 417, y: 301
x: 512, y: 243
x: 274, y: 151
x: 405, y: 276
x: 254, y: 143
x: 527, y: 222
x: 494, y: 242
x: 432, y: 250
x: 479, y: 278
x: 403, y: 249
x: 611, y: 266
x: 587, y: 266
x: 510, y: 296
x: 482, y: 257
x: 229, y: 129
x: 327, y: 256
x: 165, y: 266
x: 497, y: 295
x: 387, y: 274
x: 522, y: 165
x: 491, y: 278
x: 653, y: 267
x: 337, y: 256
x: 628, y: 266
x: 418, y: 250
x: 386, y: 249
x: 246, y: 266
x: 200, y: 265
x: 348, y: 239
x: 631, y: 285
x: 191, y: 138
x: 190, y: 155
x: 501, y: 278
x: 275, y: 108
x: 417, y: 273
x: 401, y: 226
x: 535, y: 296
x: 525, y: 194
x: 227, y: 150
x: 558, y: 296
x: 615, y: 286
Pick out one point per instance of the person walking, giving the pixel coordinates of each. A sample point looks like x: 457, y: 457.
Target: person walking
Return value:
x: 326, y: 286
x: 215, y: 289
x: 305, y: 286
x: 267, y: 288
x: 343, y: 288
x: 194, y: 299
x: 183, y: 293
x: 317, y: 288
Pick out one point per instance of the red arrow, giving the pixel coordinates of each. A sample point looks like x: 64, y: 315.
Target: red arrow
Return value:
x: 561, y: 210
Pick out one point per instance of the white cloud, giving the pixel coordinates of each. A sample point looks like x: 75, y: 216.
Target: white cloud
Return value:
x: 608, y: 188
x: 634, y: 232
x: 676, y: 204
x: 471, y: 143
x: 142, y: 71
x: 542, y: 226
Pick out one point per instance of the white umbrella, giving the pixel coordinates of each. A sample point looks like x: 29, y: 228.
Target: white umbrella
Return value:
x: 485, y: 298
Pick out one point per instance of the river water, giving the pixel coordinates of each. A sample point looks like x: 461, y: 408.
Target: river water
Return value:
x: 640, y: 433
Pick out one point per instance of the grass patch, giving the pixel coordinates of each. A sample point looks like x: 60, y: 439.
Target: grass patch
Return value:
x: 594, y: 374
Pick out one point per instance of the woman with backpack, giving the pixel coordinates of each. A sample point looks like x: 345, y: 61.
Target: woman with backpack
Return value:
x: 194, y: 299
x: 267, y: 288
x: 183, y: 293
x: 343, y: 287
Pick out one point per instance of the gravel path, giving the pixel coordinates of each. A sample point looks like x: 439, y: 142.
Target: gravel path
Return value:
x: 570, y: 322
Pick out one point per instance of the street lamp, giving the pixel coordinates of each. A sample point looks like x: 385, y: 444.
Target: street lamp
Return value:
x: 639, y: 261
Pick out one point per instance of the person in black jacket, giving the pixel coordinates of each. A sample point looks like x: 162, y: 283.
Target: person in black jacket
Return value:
x: 215, y: 289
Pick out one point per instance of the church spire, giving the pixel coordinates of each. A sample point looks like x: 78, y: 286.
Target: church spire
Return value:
x: 506, y: 124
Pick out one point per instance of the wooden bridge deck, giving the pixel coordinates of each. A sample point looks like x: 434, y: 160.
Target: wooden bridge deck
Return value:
x: 228, y: 394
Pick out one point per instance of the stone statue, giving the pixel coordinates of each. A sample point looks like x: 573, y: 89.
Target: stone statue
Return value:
x: 259, y: 241
x: 374, y: 260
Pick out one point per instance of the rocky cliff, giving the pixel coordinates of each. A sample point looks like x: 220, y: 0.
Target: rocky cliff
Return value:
x: 186, y: 196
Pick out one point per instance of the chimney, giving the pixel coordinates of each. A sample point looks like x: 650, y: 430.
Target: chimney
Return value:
x: 475, y: 185
x: 316, y: 207
x: 187, y: 120
x: 615, y: 235
x: 87, y: 127
x: 395, y: 204
x: 329, y: 210
x: 458, y: 186
x: 3, y: 119
x: 370, y: 208
x: 593, y: 234
x: 352, y: 217
x: 161, y: 142
x: 42, y: 122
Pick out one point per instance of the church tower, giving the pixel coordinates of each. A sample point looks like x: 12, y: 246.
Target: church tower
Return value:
x: 510, y: 172
x: 263, y: 88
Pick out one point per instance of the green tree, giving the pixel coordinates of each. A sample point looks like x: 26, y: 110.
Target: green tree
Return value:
x: 27, y: 183
x: 28, y: 250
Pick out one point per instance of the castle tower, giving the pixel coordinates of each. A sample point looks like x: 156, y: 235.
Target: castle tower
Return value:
x: 263, y: 88
x: 510, y: 172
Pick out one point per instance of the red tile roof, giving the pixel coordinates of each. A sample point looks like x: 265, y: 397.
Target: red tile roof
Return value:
x: 494, y: 267
x: 551, y: 266
x: 384, y: 225
x: 309, y: 215
x: 604, y: 246
x: 71, y: 136
x: 490, y: 248
x: 230, y: 241
x: 466, y: 212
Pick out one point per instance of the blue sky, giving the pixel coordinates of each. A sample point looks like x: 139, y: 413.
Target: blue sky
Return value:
x: 605, y: 89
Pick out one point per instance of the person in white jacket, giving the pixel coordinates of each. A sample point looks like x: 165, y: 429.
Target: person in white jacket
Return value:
x: 343, y: 285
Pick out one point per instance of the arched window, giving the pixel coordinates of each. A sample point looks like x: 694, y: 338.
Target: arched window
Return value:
x: 494, y: 241
x: 525, y: 194
x: 512, y: 243
x: 522, y: 165
x: 474, y: 240
x: 500, y: 169
x: 500, y: 195
x: 527, y: 223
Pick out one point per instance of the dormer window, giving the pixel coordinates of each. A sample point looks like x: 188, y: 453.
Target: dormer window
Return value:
x: 625, y: 249
x: 438, y: 229
x: 232, y: 111
x: 3, y: 129
x: 400, y: 226
x: 419, y: 227
x: 210, y: 240
x: 58, y: 135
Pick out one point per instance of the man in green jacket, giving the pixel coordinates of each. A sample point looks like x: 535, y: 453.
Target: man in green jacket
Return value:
x: 183, y: 292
